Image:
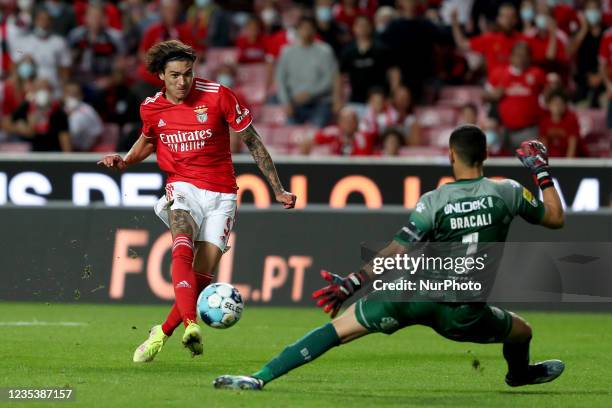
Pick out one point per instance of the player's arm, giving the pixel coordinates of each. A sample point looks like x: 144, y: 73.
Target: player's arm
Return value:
x: 142, y: 149
x: 534, y: 156
x: 260, y: 154
x: 461, y: 40
x: 332, y: 296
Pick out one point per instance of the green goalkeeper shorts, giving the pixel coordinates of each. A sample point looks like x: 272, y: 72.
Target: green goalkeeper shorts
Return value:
x: 473, y: 322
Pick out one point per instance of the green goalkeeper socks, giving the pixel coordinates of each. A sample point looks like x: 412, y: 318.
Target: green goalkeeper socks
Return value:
x: 303, y: 351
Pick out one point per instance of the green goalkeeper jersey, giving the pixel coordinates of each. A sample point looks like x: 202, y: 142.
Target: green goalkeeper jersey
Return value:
x: 473, y: 212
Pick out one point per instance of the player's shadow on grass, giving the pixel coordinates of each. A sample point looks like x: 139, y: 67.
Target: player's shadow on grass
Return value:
x: 559, y: 392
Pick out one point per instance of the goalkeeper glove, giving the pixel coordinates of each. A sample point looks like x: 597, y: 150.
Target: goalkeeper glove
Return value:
x: 340, y: 288
x: 534, y: 156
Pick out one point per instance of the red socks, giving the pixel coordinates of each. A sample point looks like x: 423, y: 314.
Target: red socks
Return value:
x: 183, y: 278
x: 174, y: 317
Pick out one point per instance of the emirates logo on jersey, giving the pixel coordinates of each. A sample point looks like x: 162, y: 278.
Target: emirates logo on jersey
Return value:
x: 201, y: 113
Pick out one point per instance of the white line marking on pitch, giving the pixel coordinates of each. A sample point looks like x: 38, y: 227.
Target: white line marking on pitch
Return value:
x: 38, y: 323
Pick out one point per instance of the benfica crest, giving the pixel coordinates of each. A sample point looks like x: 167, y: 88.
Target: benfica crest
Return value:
x: 201, y: 113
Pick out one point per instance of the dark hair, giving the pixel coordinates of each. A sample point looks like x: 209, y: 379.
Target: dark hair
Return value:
x: 161, y: 53
x: 472, y: 106
x: 506, y: 4
x: 307, y: 19
x: 470, y: 144
x: 557, y: 93
x: 373, y: 90
x: 391, y: 132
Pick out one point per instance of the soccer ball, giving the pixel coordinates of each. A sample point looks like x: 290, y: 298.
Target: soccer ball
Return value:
x: 220, y: 305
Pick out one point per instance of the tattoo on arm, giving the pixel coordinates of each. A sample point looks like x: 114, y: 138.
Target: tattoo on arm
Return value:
x: 181, y: 223
x: 251, y: 138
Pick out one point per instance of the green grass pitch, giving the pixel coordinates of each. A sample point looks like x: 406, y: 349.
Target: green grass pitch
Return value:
x: 413, y: 367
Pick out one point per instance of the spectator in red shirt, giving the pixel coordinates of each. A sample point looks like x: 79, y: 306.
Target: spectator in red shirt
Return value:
x: 345, y: 138
x: 379, y: 114
x: 41, y: 120
x: 346, y: 11
x: 495, y: 46
x: 407, y: 122
x: 169, y: 28
x: 251, y: 43
x: 548, y: 43
x: 559, y: 128
x: 17, y: 86
x: 565, y: 15
x: 517, y: 88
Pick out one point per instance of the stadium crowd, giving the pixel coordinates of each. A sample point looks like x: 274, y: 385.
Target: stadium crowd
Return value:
x: 344, y: 77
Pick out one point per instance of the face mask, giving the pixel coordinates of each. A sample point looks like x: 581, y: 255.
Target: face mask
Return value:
x: 527, y: 14
x: 541, y: 21
x: 491, y: 136
x: 593, y: 16
x: 25, y: 70
x: 24, y: 5
x: 42, y: 98
x: 269, y: 16
x: 54, y: 8
x: 225, y: 80
x: 324, y: 14
x: 71, y: 103
x: 202, y: 3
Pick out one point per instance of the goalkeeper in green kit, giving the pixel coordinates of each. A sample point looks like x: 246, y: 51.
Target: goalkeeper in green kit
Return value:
x: 484, y: 209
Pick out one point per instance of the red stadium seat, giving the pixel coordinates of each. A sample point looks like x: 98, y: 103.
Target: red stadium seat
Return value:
x: 436, y: 136
x: 254, y: 93
x: 460, y: 95
x: 246, y: 73
x: 598, y: 144
x: 422, y: 151
x: 216, y: 57
x: 433, y: 116
x: 321, y: 150
x: 300, y: 133
x: 591, y: 120
x: 15, y: 147
x: 273, y: 115
x: 108, y: 140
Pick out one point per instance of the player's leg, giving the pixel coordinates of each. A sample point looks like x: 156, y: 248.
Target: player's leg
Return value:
x: 206, y: 259
x: 341, y: 330
x: 177, y: 216
x: 516, y: 353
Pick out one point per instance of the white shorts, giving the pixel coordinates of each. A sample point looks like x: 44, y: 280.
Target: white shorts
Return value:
x: 214, y: 213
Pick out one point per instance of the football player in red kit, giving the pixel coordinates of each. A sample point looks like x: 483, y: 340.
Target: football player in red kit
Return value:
x: 187, y: 123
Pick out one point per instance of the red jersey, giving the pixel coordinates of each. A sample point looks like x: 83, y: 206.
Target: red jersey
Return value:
x: 566, y: 18
x: 605, y: 50
x: 251, y: 52
x: 495, y: 47
x: 192, y: 138
x: 556, y: 135
x: 275, y: 42
x: 361, y: 144
x: 519, y: 106
x: 538, y: 46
